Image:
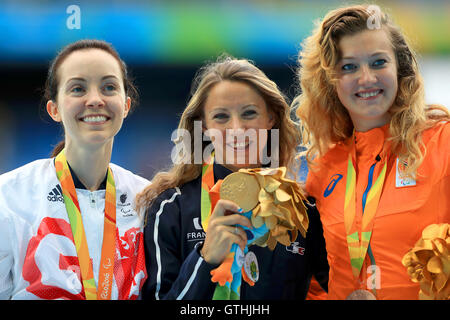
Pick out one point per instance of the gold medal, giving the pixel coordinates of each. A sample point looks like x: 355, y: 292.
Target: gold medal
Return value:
x: 241, y: 188
x: 361, y: 294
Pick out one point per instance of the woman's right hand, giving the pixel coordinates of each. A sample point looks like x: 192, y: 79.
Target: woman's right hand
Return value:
x: 222, y: 232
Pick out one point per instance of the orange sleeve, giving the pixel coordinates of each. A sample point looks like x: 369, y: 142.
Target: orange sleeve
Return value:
x: 444, y: 143
x: 443, y: 148
x: 311, y: 184
x: 315, y: 291
x: 437, y: 159
x: 436, y: 140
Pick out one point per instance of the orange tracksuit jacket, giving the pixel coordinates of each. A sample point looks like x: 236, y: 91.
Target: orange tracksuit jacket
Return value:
x: 402, y: 213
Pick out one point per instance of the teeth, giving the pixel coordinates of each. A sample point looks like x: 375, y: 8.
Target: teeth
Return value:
x: 238, y: 145
x: 94, y: 119
x: 368, y: 94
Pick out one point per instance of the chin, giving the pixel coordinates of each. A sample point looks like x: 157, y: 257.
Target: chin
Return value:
x: 240, y: 165
x: 97, y: 140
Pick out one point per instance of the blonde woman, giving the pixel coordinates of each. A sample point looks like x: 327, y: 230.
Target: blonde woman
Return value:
x: 229, y: 95
x: 379, y: 155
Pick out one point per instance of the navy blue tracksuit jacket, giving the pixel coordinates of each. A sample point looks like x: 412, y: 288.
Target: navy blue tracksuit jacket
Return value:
x: 173, y: 236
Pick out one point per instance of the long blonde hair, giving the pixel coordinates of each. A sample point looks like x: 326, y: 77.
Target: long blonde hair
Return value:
x: 325, y: 121
x: 232, y: 69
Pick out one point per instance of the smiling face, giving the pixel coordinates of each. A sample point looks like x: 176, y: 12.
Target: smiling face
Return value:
x: 233, y: 109
x: 367, y: 78
x: 91, y: 101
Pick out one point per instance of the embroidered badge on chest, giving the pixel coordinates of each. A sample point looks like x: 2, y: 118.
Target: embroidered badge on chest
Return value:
x: 401, y: 182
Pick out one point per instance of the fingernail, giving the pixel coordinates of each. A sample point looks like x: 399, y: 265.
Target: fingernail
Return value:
x: 241, y: 210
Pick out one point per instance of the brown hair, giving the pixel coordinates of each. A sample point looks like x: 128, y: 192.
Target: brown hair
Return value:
x: 225, y: 68
x: 52, y: 82
x: 325, y: 121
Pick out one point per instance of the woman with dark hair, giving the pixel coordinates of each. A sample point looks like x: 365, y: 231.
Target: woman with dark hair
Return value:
x: 68, y: 229
x: 230, y: 98
x: 380, y: 156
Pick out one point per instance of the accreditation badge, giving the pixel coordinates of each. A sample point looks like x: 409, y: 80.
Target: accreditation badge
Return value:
x: 251, y: 267
x: 400, y: 181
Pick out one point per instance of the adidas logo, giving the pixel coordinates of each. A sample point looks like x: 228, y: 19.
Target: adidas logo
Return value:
x: 55, y: 194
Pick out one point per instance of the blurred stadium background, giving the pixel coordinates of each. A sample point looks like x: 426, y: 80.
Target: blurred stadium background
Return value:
x: 164, y: 43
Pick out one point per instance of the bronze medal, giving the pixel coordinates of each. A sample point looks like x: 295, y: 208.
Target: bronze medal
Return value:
x: 361, y: 294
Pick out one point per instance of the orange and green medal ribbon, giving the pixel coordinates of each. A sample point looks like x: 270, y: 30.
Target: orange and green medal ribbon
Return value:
x: 207, y: 184
x: 358, y: 245
x: 108, y: 248
x: 208, y: 200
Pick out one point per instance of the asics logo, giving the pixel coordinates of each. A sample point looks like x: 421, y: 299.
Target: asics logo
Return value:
x: 334, y: 180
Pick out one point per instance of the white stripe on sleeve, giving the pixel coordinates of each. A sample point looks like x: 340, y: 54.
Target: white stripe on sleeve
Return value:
x: 191, y: 279
x: 155, y: 239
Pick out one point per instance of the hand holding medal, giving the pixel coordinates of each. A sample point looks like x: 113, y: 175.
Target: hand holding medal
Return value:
x: 274, y: 205
x: 274, y: 201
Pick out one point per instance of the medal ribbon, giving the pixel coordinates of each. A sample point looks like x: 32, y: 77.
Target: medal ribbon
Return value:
x: 209, y: 198
x: 357, y: 247
x: 105, y: 279
x: 207, y: 184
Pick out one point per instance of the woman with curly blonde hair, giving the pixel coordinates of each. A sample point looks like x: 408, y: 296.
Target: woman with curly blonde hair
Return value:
x: 228, y: 95
x: 379, y: 156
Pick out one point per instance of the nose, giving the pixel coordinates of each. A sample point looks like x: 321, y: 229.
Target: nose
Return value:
x: 236, y: 123
x: 367, y: 76
x: 94, y: 98
x: 235, y: 128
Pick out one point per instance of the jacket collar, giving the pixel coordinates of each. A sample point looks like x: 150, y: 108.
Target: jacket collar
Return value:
x: 79, y: 185
x: 220, y: 172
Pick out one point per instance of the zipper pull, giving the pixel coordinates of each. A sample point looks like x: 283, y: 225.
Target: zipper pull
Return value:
x: 92, y: 199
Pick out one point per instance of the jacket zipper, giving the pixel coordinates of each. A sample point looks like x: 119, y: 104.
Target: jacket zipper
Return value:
x: 364, y: 199
x: 92, y: 201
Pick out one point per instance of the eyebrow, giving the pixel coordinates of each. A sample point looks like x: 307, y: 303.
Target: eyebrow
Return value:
x: 83, y: 79
x: 221, y: 109
x: 373, y: 55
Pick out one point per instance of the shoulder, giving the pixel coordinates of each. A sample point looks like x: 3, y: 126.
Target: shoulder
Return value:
x: 337, y: 152
x: 27, y: 177
x: 182, y: 193
x: 164, y: 210
x: 167, y: 201
x: 127, y: 179
x: 173, y: 199
x: 27, y: 171
x: 22, y: 187
x: 438, y: 134
x: 333, y: 162
x: 437, y: 149
x: 191, y: 190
